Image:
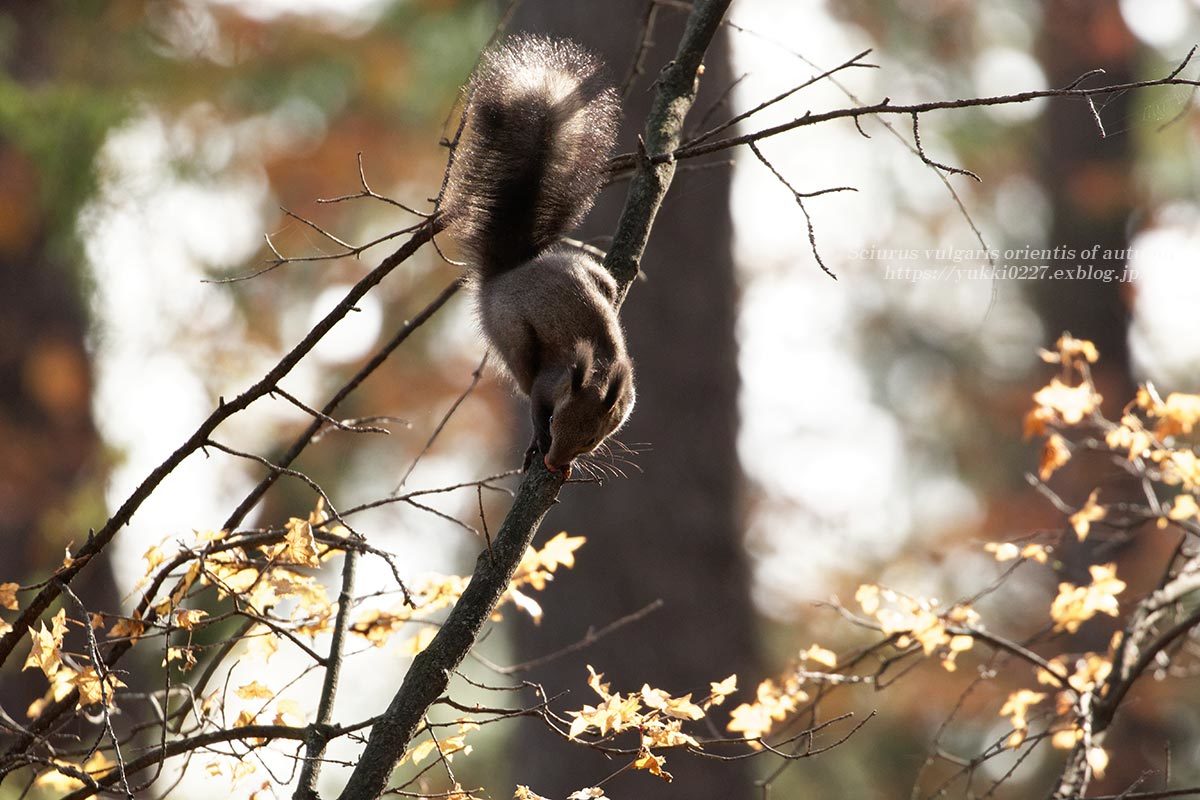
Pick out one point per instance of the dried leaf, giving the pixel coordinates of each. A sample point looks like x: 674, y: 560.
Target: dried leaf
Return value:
x: 652, y: 763
x: 1074, y: 605
x: 254, y: 691
x: 1055, y: 454
x: 1082, y: 519
x: 44, y: 652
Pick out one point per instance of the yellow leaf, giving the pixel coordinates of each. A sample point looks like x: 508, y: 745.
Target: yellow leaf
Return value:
x: 615, y: 714
x: 36, y: 708
x: 1179, y: 467
x: 254, y: 691
x: 1003, y: 551
x: 262, y: 643
x: 1082, y: 519
x: 230, y: 575
x: 1184, y: 507
x: 153, y: 557
x: 187, y: 618
x: 127, y: 628
x: 652, y: 763
x: 183, y: 654
x: 959, y: 644
x: 1055, y: 453
x: 1074, y: 605
x: 8, y: 596
x: 773, y: 703
x: 451, y: 745
x: 596, y: 681
x: 719, y: 691
x: 1071, y: 350
x: 377, y: 626
x: 45, y: 644
x: 654, y: 698
x: 1091, y: 671
x: 751, y: 720
x: 675, y: 707
x: 92, y: 690
x: 868, y: 597
x: 578, y: 725
x: 63, y: 683
x: 1036, y: 552
x: 560, y: 551
x: 1097, y: 759
x: 290, y: 713
x: 1035, y: 422
x: 590, y: 793
x: 1070, y: 404
x: 525, y: 793
x: 1016, y: 708
x: 526, y: 603
x: 1065, y: 739
x: 1179, y: 415
x: 657, y: 733
x: 820, y: 655
x: 420, y: 752
x: 299, y: 546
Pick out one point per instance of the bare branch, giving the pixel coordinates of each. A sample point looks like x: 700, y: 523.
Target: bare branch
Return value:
x: 314, y: 744
x: 97, y: 542
x: 886, y: 106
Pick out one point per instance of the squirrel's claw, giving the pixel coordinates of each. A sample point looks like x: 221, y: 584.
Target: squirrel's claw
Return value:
x: 531, y: 453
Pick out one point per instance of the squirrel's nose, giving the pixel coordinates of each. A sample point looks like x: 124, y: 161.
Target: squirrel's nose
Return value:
x: 565, y: 470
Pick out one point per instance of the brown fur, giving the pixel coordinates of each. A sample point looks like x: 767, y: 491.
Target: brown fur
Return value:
x: 540, y: 121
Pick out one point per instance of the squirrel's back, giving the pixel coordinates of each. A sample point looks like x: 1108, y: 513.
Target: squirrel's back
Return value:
x: 541, y: 118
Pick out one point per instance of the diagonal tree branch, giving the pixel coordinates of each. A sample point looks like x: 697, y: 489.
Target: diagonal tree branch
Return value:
x: 98, y: 540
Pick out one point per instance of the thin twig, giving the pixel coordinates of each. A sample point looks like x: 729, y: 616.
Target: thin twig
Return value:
x: 437, y: 431
x: 314, y: 744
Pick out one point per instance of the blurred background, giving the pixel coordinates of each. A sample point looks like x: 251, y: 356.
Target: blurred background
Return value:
x: 799, y: 435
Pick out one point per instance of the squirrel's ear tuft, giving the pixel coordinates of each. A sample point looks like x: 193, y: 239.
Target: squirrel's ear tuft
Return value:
x: 618, y: 383
x: 581, y: 365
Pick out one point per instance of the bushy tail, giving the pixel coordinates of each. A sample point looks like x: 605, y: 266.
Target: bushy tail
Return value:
x: 541, y: 118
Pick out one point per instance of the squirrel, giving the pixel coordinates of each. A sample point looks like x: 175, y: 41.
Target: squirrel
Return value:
x: 540, y: 118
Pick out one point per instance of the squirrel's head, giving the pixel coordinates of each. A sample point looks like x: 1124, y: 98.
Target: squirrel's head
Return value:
x: 591, y: 402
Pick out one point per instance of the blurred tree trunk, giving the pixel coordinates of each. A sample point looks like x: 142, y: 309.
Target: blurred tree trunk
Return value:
x: 1089, y: 181
x: 672, y: 532
x: 48, y: 442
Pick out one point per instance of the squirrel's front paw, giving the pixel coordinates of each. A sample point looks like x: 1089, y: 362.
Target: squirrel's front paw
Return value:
x: 531, y: 454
